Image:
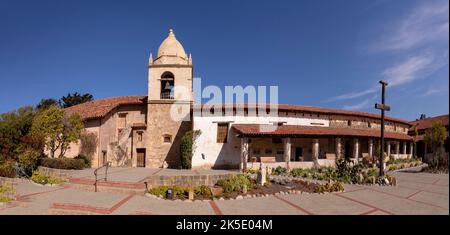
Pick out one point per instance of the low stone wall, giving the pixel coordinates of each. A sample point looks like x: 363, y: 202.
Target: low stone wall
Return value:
x: 60, y: 173
x: 186, y: 180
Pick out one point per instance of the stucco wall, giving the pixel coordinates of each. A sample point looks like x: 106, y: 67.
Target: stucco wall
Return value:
x: 106, y: 131
x: 209, y: 153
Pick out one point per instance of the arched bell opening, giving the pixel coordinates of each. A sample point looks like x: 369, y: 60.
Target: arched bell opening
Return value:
x: 167, y: 85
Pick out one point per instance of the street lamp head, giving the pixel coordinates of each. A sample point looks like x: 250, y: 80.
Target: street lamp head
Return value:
x: 383, y: 82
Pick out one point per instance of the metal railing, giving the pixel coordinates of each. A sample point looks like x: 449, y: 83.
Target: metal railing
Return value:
x: 105, y: 178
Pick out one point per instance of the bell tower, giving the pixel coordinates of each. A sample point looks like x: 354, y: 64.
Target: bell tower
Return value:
x: 169, y: 107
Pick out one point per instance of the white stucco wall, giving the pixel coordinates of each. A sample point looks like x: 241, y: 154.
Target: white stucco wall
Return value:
x: 209, y: 153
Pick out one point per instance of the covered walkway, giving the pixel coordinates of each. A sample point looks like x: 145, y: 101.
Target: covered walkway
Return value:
x: 301, y: 146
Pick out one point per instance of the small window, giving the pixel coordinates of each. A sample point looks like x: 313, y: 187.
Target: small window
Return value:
x: 122, y: 120
x: 369, y: 124
x: 349, y: 123
x: 268, y: 151
x: 280, y: 151
x: 139, y: 136
x: 256, y: 151
x: 222, y: 132
x: 167, y: 139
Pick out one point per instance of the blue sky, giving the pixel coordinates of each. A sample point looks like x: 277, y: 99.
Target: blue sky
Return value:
x: 319, y: 53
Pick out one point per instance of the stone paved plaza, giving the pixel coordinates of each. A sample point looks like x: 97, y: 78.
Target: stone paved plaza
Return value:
x: 416, y: 193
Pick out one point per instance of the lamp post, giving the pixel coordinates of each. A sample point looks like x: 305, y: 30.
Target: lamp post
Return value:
x: 383, y: 107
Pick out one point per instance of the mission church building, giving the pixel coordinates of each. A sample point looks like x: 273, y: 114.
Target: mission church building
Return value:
x: 140, y: 131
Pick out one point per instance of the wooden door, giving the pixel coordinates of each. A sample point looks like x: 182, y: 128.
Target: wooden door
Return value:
x: 140, y: 157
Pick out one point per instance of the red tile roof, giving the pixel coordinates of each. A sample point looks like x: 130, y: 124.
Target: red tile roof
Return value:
x: 301, y: 108
x: 428, y: 122
x: 300, y: 131
x: 99, y: 108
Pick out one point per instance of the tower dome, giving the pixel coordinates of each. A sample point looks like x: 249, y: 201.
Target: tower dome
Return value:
x: 171, y: 47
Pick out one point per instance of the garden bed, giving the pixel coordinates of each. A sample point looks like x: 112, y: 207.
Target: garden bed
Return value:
x: 243, y: 186
x: 402, y: 164
x: 45, y: 180
x: 441, y: 170
x: 347, y: 172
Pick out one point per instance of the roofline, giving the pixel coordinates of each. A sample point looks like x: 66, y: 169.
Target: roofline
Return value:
x: 111, y: 108
x: 428, y: 118
x: 304, y: 108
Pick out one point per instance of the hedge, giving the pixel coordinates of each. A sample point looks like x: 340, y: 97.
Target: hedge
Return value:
x: 7, y: 169
x: 63, y: 163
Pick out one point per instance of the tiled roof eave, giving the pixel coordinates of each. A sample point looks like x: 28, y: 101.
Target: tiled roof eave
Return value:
x: 250, y: 130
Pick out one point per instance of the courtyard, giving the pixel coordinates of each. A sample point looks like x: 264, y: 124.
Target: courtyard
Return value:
x: 415, y: 193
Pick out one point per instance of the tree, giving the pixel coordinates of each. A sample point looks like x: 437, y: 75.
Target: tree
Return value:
x: 435, y: 138
x: 13, y: 127
x: 73, y: 125
x: 187, y: 148
x: 74, y: 99
x: 57, y: 128
x: 46, y: 104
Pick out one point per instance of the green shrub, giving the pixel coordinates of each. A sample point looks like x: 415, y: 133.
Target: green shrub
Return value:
x: 236, y: 183
x: 346, y: 172
x: 187, y: 148
x: 279, y: 171
x: 28, y: 160
x: 87, y: 160
x: 329, y: 187
x: 7, y: 169
x: 203, y: 191
x: 159, y: 191
x: 392, y: 180
x: 63, y: 163
x: 6, y: 193
x: 299, y: 172
x: 44, y: 179
x: 177, y: 191
x: 180, y: 192
x: 251, y: 171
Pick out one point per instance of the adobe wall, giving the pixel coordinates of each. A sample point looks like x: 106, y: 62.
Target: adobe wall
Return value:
x: 159, y: 125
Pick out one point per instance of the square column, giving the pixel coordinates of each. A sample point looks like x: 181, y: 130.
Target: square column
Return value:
x: 338, y: 148
x: 315, y: 152
x: 388, y: 148
x: 244, y: 154
x: 411, y: 149
x: 403, y: 147
x: 356, y: 149
x: 397, y: 148
x: 287, y: 151
x: 370, y: 147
